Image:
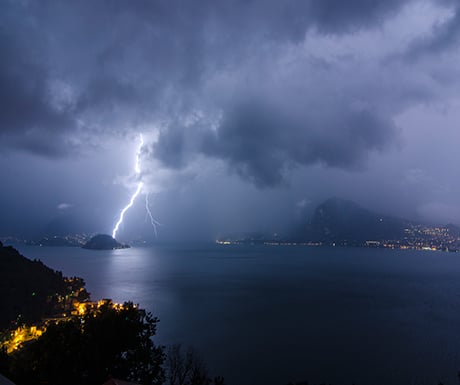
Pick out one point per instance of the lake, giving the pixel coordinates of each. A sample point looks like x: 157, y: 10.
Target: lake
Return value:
x: 267, y: 315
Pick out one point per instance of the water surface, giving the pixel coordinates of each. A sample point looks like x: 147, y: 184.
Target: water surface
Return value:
x: 267, y: 315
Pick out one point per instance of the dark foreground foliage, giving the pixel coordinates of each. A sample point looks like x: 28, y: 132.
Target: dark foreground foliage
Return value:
x: 106, y: 342
x: 187, y: 368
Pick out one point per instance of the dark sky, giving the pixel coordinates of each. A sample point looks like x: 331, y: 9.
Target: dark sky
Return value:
x: 252, y: 112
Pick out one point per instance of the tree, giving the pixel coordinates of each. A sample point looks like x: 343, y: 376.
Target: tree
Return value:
x: 107, y: 341
x: 187, y: 368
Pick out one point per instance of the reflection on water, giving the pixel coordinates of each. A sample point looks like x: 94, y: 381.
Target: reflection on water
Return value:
x: 269, y: 315
x: 128, y: 274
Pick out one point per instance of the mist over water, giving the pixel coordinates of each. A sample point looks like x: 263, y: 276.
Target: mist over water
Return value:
x: 270, y: 315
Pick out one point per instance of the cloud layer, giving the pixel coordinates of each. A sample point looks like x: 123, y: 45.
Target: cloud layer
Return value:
x: 260, y: 88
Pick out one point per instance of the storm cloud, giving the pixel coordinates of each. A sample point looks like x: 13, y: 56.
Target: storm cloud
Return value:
x: 259, y: 89
x: 94, y: 66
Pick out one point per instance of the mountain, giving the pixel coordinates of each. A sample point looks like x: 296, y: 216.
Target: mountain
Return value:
x: 103, y: 242
x: 26, y: 288
x: 338, y: 220
x: 344, y: 223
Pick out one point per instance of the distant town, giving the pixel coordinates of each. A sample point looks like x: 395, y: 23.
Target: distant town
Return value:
x: 416, y: 237
x: 76, y: 240
x: 86, y: 241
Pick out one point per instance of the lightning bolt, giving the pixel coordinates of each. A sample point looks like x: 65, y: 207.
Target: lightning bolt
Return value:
x: 137, y: 169
x: 153, y: 221
x: 140, y: 185
x: 126, y: 208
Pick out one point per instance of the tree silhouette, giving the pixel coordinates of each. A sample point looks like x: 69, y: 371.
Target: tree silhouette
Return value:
x: 187, y: 368
x: 109, y: 341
